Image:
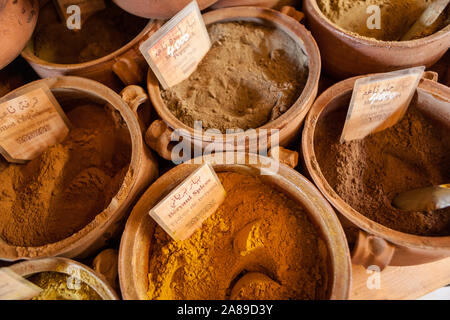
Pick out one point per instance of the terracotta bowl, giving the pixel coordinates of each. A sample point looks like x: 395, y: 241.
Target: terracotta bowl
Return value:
x: 142, y: 170
x: 288, y: 124
x: 72, y: 268
x: 17, y: 23
x: 125, y: 66
x: 136, y: 244
x: 345, y: 55
x: 158, y: 9
x: 375, y: 243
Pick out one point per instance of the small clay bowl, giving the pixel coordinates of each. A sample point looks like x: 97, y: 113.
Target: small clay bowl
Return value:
x: 288, y: 124
x: 71, y: 268
x: 158, y: 9
x: 136, y: 243
x: 376, y: 244
x: 142, y: 170
x: 123, y: 66
x: 17, y: 22
x: 345, y: 54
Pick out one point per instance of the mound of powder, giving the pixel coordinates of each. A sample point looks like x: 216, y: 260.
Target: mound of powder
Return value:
x: 369, y: 173
x: 61, y: 191
x: 102, y: 34
x: 251, y: 75
x: 397, y: 17
x: 256, y: 230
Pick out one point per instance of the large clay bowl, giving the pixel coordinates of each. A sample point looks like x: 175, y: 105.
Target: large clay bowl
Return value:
x: 142, y: 170
x: 288, y: 124
x: 375, y: 243
x: 345, y: 55
x: 17, y: 23
x: 158, y: 9
x: 136, y: 243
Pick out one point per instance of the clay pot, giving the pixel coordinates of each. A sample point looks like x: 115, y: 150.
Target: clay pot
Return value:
x: 375, y: 243
x: 17, y: 23
x: 142, y: 170
x: 72, y: 268
x: 158, y: 9
x: 123, y: 66
x: 136, y: 243
x: 345, y: 55
x: 288, y: 124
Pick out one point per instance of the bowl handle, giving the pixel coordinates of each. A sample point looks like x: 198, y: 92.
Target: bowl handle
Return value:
x: 135, y: 96
x: 430, y: 75
x: 128, y: 71
x: 285, y: 156
x: 293, y: 13
x: 158, y: 137
x: 371, y: 250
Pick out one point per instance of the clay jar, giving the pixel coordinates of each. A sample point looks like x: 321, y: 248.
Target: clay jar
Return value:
x: 158, y: 9
x: 136, y: 243
x: 123, y: 66
x: 375, y: 243
x: 288, y: 124
x: 142, y: 169
x: 71, y: 268
x: 345, y: 54
x: 17, y: 22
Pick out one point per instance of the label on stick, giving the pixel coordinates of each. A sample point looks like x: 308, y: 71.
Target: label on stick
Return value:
x: 192, y: 202
x: 176, y: 49
x: 14, y: 287
x: 84, y: 8
x: 379, y: 102
x: 30, y: 122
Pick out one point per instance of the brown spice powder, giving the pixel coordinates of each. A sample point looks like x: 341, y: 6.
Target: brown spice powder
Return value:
x: 61, y: 191
x: 256, y: 230
x: 369, y: 173
x: 397, y: 17
x: 251, y: 75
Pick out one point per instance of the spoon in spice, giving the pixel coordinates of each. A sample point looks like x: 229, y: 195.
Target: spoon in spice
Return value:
x: 428, y: 17
x: 424, y: 199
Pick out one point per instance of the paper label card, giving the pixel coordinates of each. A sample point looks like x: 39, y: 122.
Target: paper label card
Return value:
x: 379, y: 102
x: 84, y: 8
x: 183, y: 211
x: 14, y: 287
x: 176, y: 49
x: 30, y: 122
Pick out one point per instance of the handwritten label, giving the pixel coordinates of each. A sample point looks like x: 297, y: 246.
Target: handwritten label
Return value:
x: 185, y: 208
x: 87, y: 8
x: 30, y: 122
x: 14, y: 287
x: 176, y: 49
x: 379, y: 102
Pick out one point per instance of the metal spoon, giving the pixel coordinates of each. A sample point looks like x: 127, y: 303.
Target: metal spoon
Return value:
x: 424, y: 199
